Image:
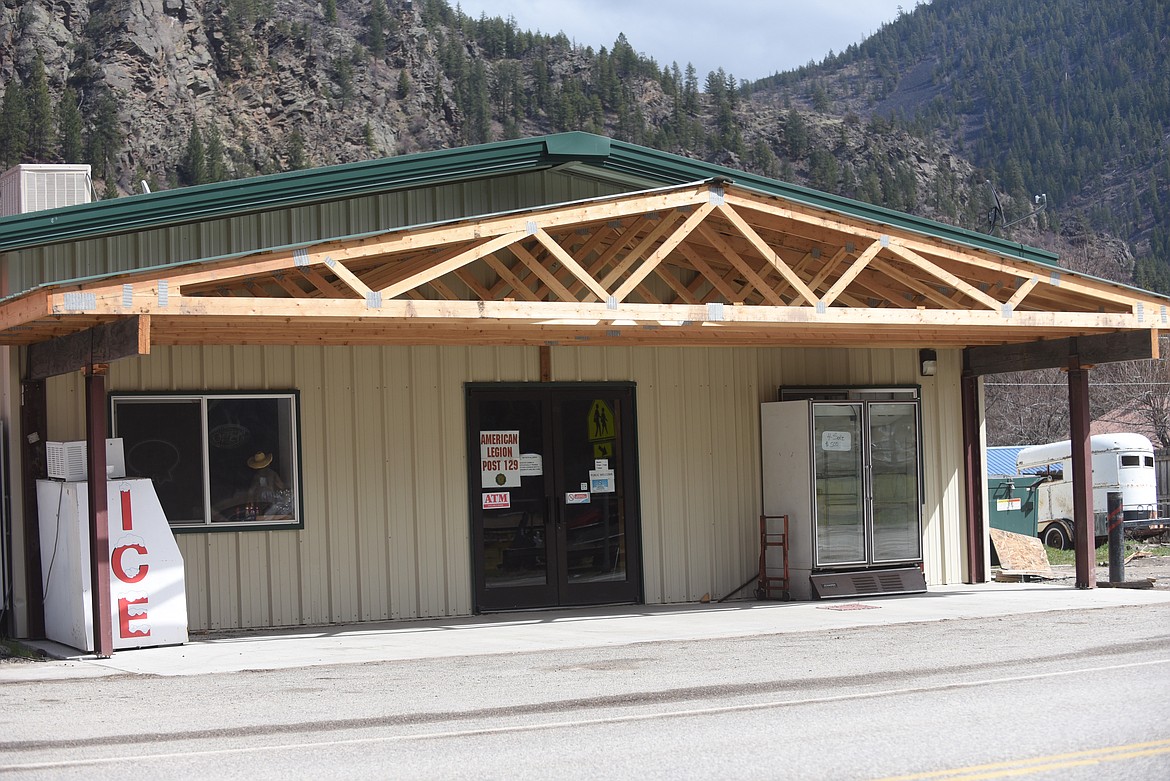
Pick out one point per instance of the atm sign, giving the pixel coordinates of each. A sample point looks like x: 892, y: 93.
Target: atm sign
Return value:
x: 497, y: 501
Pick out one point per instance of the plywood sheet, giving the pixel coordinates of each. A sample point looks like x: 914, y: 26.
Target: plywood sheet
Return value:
x: 1020, y: 553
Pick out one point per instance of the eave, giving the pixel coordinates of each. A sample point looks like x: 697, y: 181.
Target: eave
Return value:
x: 704, y: 263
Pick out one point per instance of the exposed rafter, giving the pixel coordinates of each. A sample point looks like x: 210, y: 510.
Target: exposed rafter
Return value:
x: 698, y: 264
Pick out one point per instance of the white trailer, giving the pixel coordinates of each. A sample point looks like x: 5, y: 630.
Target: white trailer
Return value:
x: 1122, y: 463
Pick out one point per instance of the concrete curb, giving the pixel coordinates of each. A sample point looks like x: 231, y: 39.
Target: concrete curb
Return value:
x: 551, y: 630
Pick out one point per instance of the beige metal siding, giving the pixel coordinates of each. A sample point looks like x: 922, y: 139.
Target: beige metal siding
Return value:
x: 944, y: 540
x: 251, y: 232
x: 383, y: 446
x: 383, y: 452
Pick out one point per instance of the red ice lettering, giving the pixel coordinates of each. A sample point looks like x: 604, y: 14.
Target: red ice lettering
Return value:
x: 124, y: 617
x: 120, y: 569
x: 127, y: 512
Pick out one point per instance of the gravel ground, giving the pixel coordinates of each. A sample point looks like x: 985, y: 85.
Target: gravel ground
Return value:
x: 1141, y: 567
x: 11, y: 653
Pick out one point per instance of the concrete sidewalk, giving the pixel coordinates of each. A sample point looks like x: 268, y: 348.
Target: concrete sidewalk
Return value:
x: 513, y: 633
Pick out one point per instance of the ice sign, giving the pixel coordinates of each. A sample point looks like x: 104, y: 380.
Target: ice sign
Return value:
x: 837, y: 440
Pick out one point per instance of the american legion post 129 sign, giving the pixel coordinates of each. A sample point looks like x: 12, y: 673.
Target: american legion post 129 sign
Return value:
x: 499, y: 459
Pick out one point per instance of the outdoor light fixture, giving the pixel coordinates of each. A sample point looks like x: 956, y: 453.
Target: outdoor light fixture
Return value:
x: 927, y: 363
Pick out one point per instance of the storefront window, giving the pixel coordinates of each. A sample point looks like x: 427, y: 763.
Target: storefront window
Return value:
x: 218, y: 461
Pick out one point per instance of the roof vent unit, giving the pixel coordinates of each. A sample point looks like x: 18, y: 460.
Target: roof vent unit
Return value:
x: 31, y: 188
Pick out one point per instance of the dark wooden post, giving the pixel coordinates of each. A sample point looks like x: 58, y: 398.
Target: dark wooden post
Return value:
x: 973, y: 468
x: 1082, y: 474
x: 33, y: 425
x: 99, y: 527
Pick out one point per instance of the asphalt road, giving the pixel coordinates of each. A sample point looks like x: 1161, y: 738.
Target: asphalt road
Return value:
x: 1061, y: 695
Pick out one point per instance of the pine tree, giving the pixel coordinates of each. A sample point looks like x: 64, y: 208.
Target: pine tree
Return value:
x: 820, y: 98
x: 763, y: 158
x: 193, y: 167
x: 216, y: 165
x: 478, y: 109
x: 13, y: 124
x: 296, y: 151
x: 343, y: 75
x: 69, y: 127
x: 716, y: 84
x: 109, y: 184
x: 40, y: 114
x: 541, y: 86
x: 691, y: 91
x: 105, y: 137
x: 795, y: 135
x: 823, y: 169
x: 376, y: 28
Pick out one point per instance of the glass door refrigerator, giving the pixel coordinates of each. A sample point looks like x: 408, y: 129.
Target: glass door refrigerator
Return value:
x: 847, y: 474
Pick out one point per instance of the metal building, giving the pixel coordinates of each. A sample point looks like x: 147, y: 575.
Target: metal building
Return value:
x: 438, y: 355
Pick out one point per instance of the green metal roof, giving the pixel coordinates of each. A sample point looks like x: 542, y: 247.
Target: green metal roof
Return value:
x: 580, y: 153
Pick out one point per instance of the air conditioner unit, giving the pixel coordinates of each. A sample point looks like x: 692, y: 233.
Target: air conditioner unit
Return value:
x: 66, y: 460
x: 35, y: 187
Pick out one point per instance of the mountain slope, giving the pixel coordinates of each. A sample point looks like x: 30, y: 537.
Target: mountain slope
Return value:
x: 277, y: 84
x: 1038, y: 96
x: 1064, y: 98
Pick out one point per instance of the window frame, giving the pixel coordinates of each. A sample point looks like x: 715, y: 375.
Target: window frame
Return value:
x: 202, y: 398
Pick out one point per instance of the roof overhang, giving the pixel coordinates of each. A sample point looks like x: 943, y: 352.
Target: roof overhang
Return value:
x: 701, y: 263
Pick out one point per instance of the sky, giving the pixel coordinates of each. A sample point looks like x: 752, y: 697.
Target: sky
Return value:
x: 749, y: 39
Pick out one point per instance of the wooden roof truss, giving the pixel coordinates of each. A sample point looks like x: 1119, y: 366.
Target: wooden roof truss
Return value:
x: 707, y: 263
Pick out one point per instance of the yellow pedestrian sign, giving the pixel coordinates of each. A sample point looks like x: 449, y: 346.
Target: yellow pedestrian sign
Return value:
x: 601, y: 423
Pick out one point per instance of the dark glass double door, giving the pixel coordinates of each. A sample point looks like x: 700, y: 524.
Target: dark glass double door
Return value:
x: 553, y: 482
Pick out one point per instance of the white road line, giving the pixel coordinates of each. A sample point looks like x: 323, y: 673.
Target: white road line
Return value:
x: 519, y: 728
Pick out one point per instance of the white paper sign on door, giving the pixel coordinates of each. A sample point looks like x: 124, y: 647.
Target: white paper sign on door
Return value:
x: 836, y: 440
x: 531, y: 464
x: 499, y: 459
x: 601, y: 481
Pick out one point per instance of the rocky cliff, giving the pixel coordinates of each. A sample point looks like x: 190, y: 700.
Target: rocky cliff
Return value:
x: 285, y: 84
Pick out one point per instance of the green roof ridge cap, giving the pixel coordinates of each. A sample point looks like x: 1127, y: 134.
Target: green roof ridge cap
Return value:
x: 577, y: 145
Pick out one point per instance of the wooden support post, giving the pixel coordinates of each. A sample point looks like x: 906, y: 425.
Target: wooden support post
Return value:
x: 973, y: 467
x: 1082, y: 474
x: 33, y: 424
x: 545, y: 363
x: 99, y: 532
